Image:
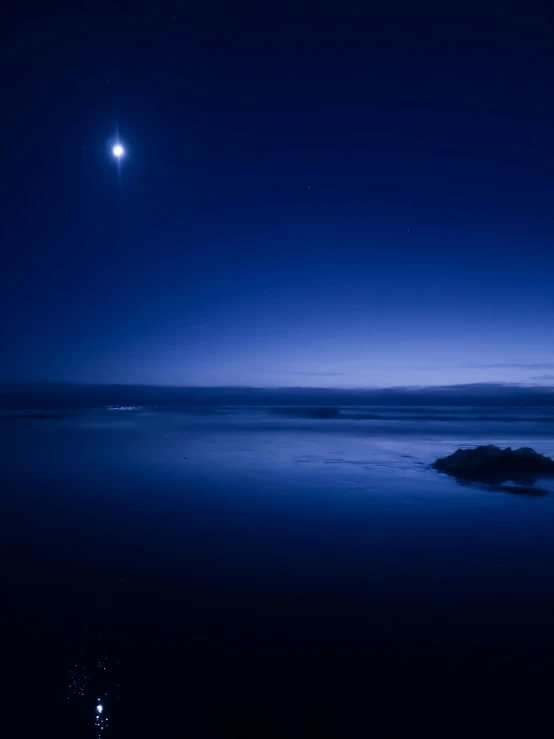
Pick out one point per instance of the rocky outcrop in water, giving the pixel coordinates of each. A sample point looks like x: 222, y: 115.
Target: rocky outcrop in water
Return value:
x: 493, y: 465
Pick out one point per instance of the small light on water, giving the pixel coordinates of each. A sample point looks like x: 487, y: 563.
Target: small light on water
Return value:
x: 99, y: 708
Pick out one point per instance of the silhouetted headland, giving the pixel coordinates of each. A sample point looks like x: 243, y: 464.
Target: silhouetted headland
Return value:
x: 48, y: 396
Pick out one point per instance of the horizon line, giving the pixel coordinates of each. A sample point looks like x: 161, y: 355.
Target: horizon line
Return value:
x: 374, y: 388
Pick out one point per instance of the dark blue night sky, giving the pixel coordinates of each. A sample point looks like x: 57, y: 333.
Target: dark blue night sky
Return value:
x: 310, y: 196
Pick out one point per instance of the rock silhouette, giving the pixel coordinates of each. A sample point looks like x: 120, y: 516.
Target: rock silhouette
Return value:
x: 490, y: 464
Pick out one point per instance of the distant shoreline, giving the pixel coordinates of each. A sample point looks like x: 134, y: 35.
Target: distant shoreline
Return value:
x: 60, y: 396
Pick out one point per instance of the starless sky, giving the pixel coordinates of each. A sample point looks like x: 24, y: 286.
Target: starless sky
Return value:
x: 326, y: 194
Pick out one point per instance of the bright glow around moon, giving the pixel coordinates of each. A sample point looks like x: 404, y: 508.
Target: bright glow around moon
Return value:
x: 99, y: 708
x: 118, y: 151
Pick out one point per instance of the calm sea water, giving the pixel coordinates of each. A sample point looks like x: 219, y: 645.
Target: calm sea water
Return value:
x: 150, y: 558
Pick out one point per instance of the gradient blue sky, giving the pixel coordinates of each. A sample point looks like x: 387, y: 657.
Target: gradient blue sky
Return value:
x: 356, y: 198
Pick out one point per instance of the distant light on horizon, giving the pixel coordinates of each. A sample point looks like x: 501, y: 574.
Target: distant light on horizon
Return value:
x: 118, y: 151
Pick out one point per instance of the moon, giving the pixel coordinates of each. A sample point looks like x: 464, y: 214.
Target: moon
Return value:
x: 118, y: 151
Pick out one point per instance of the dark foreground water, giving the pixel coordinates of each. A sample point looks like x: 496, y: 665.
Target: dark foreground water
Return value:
x: 253, y: 573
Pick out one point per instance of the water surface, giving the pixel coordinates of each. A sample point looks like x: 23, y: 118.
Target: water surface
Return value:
x: 255, y: 533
